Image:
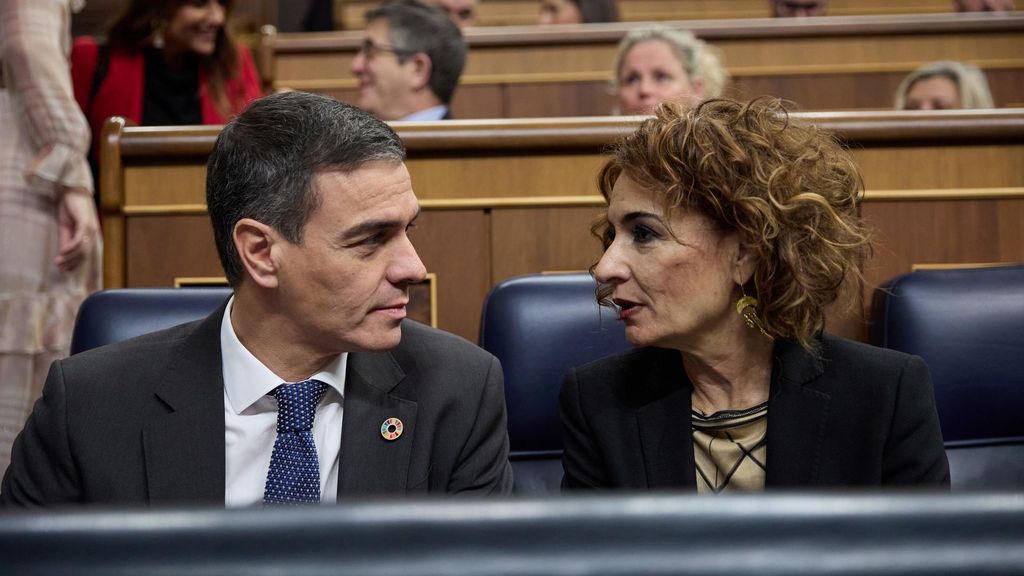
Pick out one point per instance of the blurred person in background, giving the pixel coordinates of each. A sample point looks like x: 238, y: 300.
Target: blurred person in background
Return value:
x: 165, y: 63
x: 657, y: 64
x: 798, y: 8
x: 577, y: 11
x: 462, y: 12
x: 410, y: 62
x: 49, y: 240
x: 730, y: 228
x: 944, y: 85
x: 983, y: 5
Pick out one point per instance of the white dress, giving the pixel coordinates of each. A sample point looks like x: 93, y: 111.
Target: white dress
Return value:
x: 44, y: 140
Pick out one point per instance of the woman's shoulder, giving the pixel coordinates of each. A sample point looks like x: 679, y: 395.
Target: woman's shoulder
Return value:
x: 632, y: 378
x: 627, y: 362
x: 851, y: 367
x: 839, y: 349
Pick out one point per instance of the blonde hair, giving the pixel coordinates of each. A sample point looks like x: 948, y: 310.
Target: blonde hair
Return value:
x: 700, y: 60
x: 969, y: 79
x: 788, y: 188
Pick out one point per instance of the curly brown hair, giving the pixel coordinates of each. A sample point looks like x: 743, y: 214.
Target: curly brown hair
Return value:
x: 788, y: 188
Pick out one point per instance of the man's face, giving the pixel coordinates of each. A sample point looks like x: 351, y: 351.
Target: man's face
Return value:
x: 345, y: 286
x: 798, y: 8
x: 384, y: 83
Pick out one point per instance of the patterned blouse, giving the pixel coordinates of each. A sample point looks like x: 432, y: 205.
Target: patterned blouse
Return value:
x: 729, y: 449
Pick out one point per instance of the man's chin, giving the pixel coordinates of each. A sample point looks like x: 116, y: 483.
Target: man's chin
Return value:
x: 380, y: 341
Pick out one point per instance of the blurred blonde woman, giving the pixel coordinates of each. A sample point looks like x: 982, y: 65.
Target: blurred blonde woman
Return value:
x: 657, y: 64
x: 944, y: 85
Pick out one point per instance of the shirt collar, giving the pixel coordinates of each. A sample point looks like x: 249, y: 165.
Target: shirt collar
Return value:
x: 433, y: 113
x: 247, y: 380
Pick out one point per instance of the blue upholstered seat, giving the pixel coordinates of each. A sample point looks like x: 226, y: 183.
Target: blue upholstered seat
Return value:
x: 539, y: 326
x: 968, y: 325
x: 115, y: 315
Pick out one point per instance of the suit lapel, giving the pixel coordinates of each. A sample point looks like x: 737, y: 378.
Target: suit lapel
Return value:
x: 184, y: 438
x: 797, y: 418
x: 369, y: 463
x: 663, y: 422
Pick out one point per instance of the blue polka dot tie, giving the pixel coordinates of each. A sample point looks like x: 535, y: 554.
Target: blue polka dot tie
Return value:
x: 294, y: 475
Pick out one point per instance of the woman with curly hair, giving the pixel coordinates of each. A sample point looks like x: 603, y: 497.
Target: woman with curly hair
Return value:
x: 730, y: 227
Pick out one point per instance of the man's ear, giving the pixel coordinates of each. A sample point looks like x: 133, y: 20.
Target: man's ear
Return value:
x: 255, y: 242
x: 422, y: 67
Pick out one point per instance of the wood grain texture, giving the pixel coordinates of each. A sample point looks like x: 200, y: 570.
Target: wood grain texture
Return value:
x: 833, y: 63
x: 349, y: 15
x: 509, y: 197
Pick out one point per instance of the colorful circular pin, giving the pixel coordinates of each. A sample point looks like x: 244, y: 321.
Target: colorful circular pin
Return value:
x: 391, y: 429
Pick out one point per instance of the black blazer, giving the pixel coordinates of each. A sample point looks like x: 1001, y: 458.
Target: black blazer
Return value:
x: 142, y: 422
x: 854, y: 415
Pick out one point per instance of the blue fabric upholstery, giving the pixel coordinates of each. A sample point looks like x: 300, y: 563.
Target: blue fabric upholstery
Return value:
x: 114, y: 315
x: 968, y: 325
x: 539, y: 326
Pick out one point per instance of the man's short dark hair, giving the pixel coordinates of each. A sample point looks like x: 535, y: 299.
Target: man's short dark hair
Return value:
x: 264, y: 163
x: 417, y: 27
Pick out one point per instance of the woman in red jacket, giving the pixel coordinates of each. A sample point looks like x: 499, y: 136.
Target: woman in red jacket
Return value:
x: 166, y: 62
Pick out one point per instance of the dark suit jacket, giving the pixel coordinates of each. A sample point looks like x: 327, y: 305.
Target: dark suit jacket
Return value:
x: 854, y: 415
x: 142, y: 422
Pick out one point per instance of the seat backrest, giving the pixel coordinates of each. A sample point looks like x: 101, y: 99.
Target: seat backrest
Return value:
x: 539, y: 326
x: 968, y: 325
x: 114, y: 315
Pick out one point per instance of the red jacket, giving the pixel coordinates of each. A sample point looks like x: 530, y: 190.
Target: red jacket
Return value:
x: 121, y: 93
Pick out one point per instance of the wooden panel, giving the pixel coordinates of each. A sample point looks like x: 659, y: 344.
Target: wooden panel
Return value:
x: 942, y: 232
x: 349, y: 14
x: 925, y: 167
x: 533, y: 240
x: 479, y: 102
x: 162, y: 247
x: 546, y: 100
x: 163, y: 185
x: 822, y: 64
x: 482, y: 175
x: 454, y: 245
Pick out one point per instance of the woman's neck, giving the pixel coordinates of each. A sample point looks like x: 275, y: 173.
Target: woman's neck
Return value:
x: 735, y: 377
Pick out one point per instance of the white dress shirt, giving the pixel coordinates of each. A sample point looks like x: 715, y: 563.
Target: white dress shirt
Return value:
x: 250, y: 421
x: 432, y: 113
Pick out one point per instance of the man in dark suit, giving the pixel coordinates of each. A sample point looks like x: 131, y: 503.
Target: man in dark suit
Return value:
x: 410, y: 63
x: 311, y: 206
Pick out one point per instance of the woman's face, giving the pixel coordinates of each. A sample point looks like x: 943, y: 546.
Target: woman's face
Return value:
x: 674, y: 292
x: 559, y: 12
x: 651, y: 73
x: 194, y: 25
x: 935, y: 93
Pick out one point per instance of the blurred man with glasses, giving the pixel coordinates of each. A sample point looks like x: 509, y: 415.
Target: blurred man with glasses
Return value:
x: 410, y: 62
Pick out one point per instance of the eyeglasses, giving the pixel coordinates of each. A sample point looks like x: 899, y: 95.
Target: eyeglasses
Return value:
x: 369, y: 49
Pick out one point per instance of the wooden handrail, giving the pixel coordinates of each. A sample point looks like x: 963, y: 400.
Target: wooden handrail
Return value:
x: 854, y: 128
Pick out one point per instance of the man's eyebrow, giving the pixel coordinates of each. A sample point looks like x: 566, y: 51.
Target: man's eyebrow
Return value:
x: 370, y: 226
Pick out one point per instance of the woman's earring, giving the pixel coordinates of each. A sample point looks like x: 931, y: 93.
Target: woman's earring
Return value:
x: 158, y: 34
x: 747, y: 308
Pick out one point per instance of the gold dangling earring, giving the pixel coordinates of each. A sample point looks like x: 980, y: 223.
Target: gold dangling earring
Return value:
x: 158, y: 34
x: 747, y: 308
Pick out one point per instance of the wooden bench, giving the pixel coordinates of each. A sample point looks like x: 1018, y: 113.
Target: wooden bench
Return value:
x: 510, y: 197
x: 841, y: 63
x: 348, y: 14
